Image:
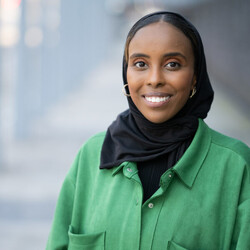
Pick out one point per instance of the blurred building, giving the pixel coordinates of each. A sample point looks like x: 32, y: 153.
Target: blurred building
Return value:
x: 47, y: 48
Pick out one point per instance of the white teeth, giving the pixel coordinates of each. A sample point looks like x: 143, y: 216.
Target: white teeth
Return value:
x: 156, y: 99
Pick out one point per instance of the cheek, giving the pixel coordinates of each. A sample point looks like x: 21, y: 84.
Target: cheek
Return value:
x: 184, y: 83
x: 134, y: 80
x: 133, y: 86
x: 130, y: 82
x: 134, y: 94
x: 131, y: 75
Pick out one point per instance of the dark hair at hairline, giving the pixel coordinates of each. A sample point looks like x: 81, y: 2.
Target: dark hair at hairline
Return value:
x: 176, y: 20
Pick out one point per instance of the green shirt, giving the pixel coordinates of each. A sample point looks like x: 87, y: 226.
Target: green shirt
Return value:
x: 203, y: 202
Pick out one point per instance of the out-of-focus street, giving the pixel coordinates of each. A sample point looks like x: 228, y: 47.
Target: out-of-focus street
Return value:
x: 35, y: 168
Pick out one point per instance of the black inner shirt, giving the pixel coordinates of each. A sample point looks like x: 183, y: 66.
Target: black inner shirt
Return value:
x: 150, y: 173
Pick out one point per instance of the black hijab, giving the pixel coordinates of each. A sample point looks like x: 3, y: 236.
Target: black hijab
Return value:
x: 131, y: 137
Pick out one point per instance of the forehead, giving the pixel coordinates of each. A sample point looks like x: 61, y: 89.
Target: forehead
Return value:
x: 160, y: 35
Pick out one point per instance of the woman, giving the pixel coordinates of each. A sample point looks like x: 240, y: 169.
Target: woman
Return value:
x: 159, y: 178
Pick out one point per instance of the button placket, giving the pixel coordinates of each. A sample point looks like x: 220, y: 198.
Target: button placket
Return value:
x: 166, y: 180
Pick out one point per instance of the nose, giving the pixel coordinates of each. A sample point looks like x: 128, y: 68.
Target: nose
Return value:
x: 156, y: 77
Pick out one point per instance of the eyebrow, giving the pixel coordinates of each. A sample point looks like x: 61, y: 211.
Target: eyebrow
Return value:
x: 175, y: 54
x: 135, y: 55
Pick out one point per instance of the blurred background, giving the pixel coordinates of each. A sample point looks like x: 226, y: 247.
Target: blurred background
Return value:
x: 60, y: 82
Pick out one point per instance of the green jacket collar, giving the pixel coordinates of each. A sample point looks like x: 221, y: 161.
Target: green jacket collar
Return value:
x: 188, y: 166
x: 190, y: 163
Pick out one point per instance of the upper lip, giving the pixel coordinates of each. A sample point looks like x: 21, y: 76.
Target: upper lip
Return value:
x: 156, y: 94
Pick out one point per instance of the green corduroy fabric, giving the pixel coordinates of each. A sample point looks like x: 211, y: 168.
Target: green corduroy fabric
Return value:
x: 203, y: 201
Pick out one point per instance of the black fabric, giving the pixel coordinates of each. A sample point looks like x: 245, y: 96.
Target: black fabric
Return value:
x: 128, y: 139
x: 131, y: 137
x: 151, y: 171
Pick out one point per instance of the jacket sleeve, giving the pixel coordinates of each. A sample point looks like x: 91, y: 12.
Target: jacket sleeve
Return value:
x: 241, y: 235
x: 58, y: 238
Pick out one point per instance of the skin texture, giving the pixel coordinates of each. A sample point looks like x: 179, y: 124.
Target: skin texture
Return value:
x: 160, y: 64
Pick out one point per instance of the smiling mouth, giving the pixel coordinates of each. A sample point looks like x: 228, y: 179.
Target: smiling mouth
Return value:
x: 156, y: 99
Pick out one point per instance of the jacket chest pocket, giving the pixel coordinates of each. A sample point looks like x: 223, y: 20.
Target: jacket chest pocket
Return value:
x: 93, y: 241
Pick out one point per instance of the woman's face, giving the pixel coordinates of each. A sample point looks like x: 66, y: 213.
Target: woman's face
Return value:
x: 160, y: 71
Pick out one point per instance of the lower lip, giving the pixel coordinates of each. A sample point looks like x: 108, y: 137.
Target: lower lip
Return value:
x: 156, y: 104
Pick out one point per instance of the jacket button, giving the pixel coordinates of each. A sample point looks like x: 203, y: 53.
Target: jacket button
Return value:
x: 129, y: 169
x: 150, y: 205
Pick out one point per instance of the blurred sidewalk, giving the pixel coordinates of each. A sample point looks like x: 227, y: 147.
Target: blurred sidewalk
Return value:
x: 31, y: 179
x: 35, y: 168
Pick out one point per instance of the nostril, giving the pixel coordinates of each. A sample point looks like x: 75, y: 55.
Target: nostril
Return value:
x: 159, y: 84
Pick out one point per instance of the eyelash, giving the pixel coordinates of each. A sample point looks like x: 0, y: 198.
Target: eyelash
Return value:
x: 177, y: 65
x: 140, y: 62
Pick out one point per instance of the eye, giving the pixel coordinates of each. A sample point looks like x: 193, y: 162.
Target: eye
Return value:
x: 140, y: 64
x: 173, y: 65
